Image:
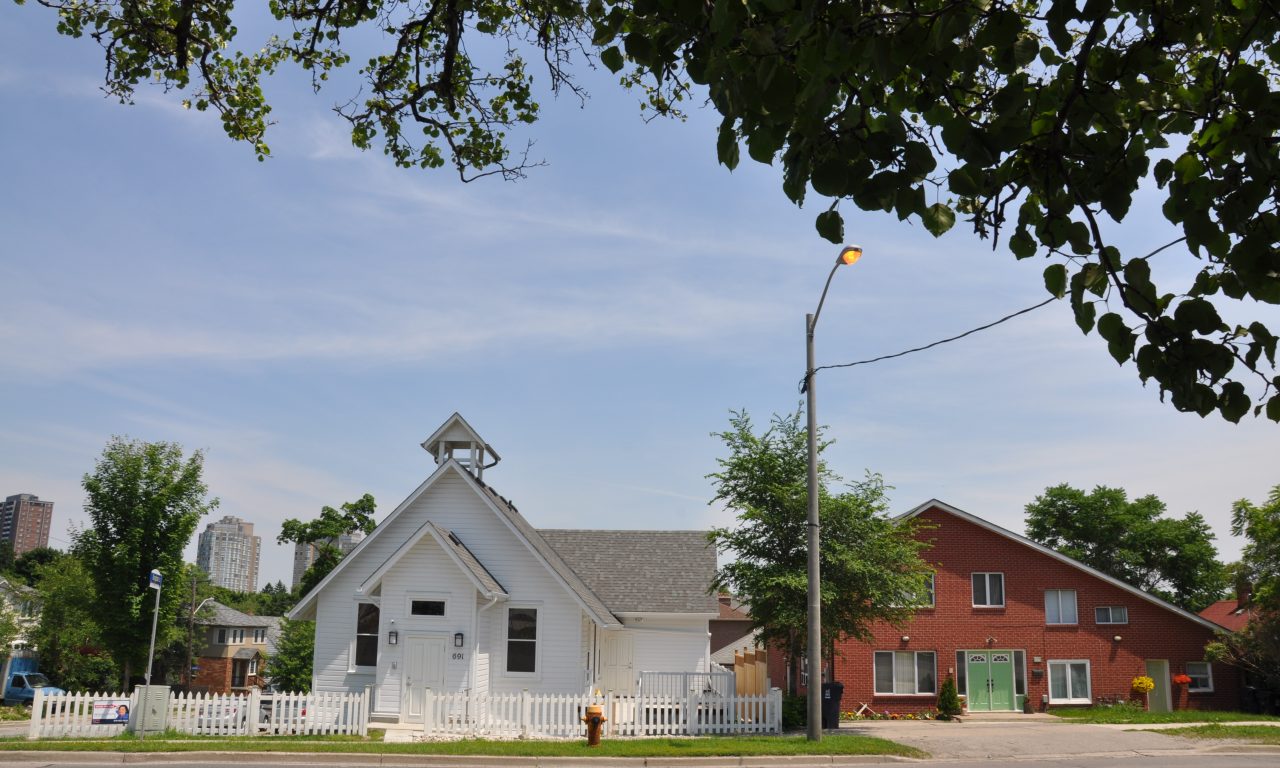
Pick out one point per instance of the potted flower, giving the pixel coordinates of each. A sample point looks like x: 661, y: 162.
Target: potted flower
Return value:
x: 1144, y: 685
x: 1182, y: 679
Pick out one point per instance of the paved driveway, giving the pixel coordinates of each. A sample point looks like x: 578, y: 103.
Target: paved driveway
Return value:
x: 977, y: 739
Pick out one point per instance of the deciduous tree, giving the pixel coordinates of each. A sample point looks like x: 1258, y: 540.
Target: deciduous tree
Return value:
x: 871, y: 569
x: 324, y: 533
x: 70, y: 641
x: 1132, y: 541
x: 144, y: 502
x: 290, y: 668
x: 1038, y: 121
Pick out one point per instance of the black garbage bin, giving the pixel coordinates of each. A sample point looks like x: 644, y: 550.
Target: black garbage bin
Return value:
x: 831, y: 695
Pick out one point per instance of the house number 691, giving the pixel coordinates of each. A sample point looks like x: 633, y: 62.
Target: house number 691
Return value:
x: 459, y: 656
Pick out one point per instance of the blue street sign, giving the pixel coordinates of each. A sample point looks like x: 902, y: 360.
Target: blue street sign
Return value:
x: 156, y: 578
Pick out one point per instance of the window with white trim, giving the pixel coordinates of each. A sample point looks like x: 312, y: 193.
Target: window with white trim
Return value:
x: 906, y: 673
x: 259, y: 636
x: 426, y: 607
x: 366, y: 647
x: 253, y: 666
x: 804, y: 671
x: 1069, y: 682
x: 1201, y: 674
x: 222, y: 636
x: 926, y: 600
x: 1060, y: 606
x: 522, y: 640
x: 1111, y: 614
x: 237, y: 636
x: 988, y: 590
x: 1020, y: 673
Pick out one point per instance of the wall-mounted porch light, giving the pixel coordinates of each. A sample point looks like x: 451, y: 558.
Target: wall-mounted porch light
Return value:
x: 393, y: 637
x: 457, y: 640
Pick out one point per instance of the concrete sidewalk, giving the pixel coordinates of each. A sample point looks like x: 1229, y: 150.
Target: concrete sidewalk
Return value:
x: 1043, y: 737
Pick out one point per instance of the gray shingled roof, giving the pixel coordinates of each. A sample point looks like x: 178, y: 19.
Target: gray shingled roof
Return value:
x: 469, y: 560
x: 642, y: 571
x: 224, y: 616
x: 563, y: 570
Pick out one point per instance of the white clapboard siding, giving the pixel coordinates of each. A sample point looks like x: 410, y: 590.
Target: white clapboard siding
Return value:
x: 207, y: 714
x: 525, y: 714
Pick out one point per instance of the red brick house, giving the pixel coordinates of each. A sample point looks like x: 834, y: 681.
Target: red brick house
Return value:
x: 235, y: 647
x: 1016, y: 623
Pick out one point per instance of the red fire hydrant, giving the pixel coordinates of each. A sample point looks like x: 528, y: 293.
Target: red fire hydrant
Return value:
x: 595, y: 721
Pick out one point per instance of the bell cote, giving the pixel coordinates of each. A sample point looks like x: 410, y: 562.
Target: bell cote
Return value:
x: 455, y: 439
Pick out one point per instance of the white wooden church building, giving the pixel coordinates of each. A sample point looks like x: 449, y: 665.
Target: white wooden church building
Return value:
x: 456, y: 591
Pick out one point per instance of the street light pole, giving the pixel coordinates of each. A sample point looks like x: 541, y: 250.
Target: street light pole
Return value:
x: 813, y: 644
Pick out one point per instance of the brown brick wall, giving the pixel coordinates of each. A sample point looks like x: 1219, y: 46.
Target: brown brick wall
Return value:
x: 961, y: 548
x: 214, y: 675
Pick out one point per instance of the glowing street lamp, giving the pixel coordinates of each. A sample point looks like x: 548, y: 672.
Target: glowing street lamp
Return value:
x: 849, y: 255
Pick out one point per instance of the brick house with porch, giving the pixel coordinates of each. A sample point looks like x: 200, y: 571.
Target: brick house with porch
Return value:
x: 235, y: 647
x: 1020, y: 625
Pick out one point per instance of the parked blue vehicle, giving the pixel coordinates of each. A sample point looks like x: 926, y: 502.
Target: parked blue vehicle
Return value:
x: 24, y: 680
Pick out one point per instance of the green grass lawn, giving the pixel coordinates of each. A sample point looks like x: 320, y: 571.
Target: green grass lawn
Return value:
x: 1259, y: 734
x: 1135, y: 715
x: 691, y: 747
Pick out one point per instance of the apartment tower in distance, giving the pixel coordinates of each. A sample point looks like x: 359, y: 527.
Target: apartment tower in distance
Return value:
x: 229, y: 552
x: 24, y: 522
x: 305, y: 554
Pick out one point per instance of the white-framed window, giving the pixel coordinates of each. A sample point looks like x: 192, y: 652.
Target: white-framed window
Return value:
x: 804, y: 671
x: 237, y: 636
x: 222, y: 636
x: 927, y: 599
x: 1060, y: 606
x: 1020, y: 673
x: 365, y: 650
x: 906, y: 673
x: 1201, y: 674
x: 522, y: 640
x: 259, y: 636
x: 988, y: 590
x: 1111, y: 614
x: 1069, y: 682
x: 253, y: 666
x: 426, y: 607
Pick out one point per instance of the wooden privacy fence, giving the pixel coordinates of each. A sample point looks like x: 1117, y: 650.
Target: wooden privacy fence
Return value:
x: 206, y: 714
x: 524, y: 714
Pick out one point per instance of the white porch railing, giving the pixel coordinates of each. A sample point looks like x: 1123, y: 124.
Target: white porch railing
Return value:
x: 206, y: 714
x: 718, y: 681
x: 524, y: 714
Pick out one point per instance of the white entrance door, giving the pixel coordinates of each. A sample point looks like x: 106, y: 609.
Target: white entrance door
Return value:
x: 617, y: 666
x: 423, y: 669
x: 1159, y: 700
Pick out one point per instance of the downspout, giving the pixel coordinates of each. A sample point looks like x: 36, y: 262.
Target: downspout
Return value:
x: 475, y: 644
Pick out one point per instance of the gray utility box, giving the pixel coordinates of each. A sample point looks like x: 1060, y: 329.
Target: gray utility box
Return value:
x: 152, y: 711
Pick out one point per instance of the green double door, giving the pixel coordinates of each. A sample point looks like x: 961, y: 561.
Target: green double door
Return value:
x: 990, y: 680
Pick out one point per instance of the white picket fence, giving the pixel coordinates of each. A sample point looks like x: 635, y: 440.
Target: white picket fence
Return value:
x: 524, y: 714
x: 206, y: 714
x: 719, y: 681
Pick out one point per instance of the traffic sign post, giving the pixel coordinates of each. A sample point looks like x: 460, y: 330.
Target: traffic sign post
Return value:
x: 155, y: 582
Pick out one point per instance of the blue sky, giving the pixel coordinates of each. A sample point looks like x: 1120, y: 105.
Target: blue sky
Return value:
x: 307, y: 321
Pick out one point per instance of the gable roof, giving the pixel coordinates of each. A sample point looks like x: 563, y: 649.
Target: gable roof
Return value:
x: 226, y: 616
x: 454, y: 432
x: 541, y: 551
x: 642, y: 571
x: 1056, y: 555
x: 1229, y: 613
x: 462, y: 557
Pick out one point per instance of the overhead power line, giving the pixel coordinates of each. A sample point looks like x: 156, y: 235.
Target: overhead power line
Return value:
x: 969, y: 332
